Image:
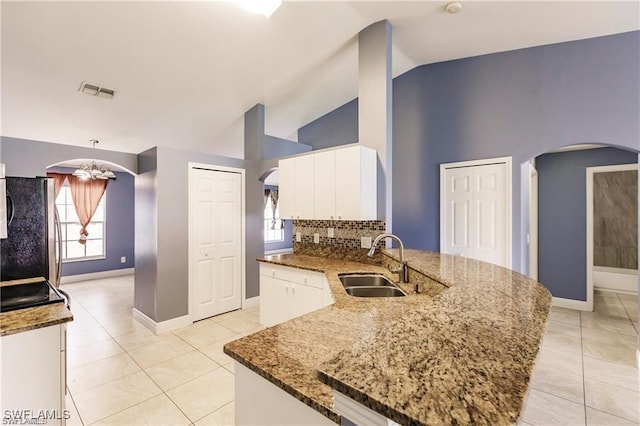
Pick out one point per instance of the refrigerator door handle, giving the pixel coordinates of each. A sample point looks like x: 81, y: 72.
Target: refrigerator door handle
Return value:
x: 56, y: 219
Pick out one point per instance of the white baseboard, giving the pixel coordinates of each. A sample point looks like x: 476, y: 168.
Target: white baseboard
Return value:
x: 614, y: 279
x: 96, y: 275
x: 578, y: 305
x: 161, y: 327
x: 251, y: 302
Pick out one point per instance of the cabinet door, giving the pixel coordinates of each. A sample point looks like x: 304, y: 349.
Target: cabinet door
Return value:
x: 305, y: 194
x: 325, y: 185
x: 348, y: 183
x: 274, y: 301
x: 32, y: 371
x: 287, y: 188
x: 305, y: 299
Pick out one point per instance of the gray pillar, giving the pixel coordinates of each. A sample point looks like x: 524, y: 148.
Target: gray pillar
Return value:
x: 375, y: 110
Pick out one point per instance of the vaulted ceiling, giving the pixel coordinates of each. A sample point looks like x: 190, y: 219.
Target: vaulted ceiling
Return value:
x: 185, y: 72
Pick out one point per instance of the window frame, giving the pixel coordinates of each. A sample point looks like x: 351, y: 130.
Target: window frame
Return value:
x: 64, y: 223
x: 267, y: 220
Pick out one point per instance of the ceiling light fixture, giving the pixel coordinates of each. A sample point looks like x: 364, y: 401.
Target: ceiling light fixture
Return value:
x: 96, y: 90
x: 453, y: 7
x: 263, y: 7
x: 92, y: 170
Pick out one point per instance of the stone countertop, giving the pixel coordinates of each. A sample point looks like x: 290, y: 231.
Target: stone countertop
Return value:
x: 20, y: 320
x: 460, y: 352
x: 26, y: 319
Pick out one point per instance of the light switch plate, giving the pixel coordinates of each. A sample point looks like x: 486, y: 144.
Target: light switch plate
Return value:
x: 365, y: 242
x: 123, y: 259
x: 316, y: 238
x: 330, y: 233
x: 298, y: 237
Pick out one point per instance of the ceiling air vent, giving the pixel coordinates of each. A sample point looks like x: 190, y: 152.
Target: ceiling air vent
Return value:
x: 96, y: 90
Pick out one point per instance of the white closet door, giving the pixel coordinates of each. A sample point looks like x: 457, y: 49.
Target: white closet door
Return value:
x: 475, y: 212
x: 489, y: 214
x: 216, y: 242
x: 458, y: 212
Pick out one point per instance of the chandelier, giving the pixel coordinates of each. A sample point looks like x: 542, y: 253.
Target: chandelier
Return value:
x: 92, y: 170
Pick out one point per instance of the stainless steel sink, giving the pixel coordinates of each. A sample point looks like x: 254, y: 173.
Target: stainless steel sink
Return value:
x: 366, y: 280
x: 381, y: 291
x: 369, y: 285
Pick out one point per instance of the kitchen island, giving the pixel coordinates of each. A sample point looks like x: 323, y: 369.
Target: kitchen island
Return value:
x: 461, y: 351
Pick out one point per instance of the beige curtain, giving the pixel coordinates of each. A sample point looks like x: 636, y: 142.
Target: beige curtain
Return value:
x: 274, y: 206
x: 86, y: 196
x: 266, y: 198
x: 58, y: 181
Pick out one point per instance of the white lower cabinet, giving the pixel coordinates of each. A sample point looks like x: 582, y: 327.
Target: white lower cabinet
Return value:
x: 286, y: 293
x: 34, y: 376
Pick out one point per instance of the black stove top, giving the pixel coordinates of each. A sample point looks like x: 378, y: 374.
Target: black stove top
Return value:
x: 19, y: 296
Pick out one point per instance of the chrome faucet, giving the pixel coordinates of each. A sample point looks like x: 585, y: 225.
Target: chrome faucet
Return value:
x: 402, y: 271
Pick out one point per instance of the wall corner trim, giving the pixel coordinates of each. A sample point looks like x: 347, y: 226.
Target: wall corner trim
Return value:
x: 578, y: 305
x: 251, y: 302
x: 161, y: 327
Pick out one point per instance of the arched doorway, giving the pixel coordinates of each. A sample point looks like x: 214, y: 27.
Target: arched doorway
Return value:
x: 109, y: 246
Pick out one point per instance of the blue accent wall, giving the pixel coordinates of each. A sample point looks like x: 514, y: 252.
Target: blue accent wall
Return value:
x: 119, y: 227
x: 520, y: 103
x: 562, y: 217
x: 338, y: 127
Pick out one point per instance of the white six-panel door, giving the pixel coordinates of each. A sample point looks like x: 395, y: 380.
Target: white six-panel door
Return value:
x: 475, y: 212
x: 216, y: 242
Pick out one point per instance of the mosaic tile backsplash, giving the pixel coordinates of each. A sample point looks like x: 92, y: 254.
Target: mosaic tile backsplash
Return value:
x: 347, y: 234
x: 346, y: 241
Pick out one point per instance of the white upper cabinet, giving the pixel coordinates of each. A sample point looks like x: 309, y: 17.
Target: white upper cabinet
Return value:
x: 305, y: 193
x: 286, y: 186
x: 356, y: 184
x: 340, y: 184
x: 325, y: 185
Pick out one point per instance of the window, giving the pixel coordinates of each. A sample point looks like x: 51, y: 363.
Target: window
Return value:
x: 273, y: 225
x: 72, y: 250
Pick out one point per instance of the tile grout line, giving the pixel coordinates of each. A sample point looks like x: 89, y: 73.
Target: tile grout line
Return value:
x: 584, y: 386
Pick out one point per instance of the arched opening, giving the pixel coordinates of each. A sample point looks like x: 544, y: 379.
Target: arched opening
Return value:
x: 109, y: 249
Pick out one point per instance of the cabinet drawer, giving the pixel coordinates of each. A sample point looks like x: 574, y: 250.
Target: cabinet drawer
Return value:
x: 294, y: 275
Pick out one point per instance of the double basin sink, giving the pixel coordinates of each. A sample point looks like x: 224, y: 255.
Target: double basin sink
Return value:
x: 369, y: 285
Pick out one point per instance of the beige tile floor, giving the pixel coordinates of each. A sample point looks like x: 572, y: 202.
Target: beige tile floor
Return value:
x: 119, y: 373
x: 586, y: 370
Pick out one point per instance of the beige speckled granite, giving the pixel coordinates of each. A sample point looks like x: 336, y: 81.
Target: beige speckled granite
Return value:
x: 31, y: 318
x: 464, y: 356
x: 20, y: 320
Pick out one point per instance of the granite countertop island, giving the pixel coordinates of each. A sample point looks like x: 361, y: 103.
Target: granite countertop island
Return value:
x: 460, y: 352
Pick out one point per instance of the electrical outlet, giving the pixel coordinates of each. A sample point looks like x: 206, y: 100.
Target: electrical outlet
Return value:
x: 330, y: 233
x: 298, y: 237
x: 316, y: 238
x: 123, y: 259
x: 365, y: 242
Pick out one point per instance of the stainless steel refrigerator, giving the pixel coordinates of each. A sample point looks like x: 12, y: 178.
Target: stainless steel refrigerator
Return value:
x: 28, y: 271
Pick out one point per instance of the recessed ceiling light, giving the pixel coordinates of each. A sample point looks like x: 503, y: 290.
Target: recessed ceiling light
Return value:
x: 263, y: 7
x: 453, y: 7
